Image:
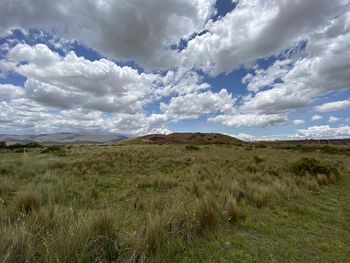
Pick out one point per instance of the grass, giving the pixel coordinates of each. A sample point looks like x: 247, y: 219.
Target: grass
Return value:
x: 170, y: 203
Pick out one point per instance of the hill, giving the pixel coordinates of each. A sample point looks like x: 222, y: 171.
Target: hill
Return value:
x: 61, y: 138
x: 183, y: 138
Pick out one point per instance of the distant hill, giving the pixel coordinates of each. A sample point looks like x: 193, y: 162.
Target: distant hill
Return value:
x: 188, y: 138
x: 61, y: 138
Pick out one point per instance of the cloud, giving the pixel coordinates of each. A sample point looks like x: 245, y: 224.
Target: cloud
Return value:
x: 249, y: 120
x: 316, y: 117
x: 9, y: 91
x: 256, y: 29
x: 193, y: 105
x: 333, y: 106
x: 134, y: 30
x: 291, y: 83
x: 74, y: 82
x: 325, y: 131
x: 333, y: 119
x: 298, y: 122
x: 26, y: 116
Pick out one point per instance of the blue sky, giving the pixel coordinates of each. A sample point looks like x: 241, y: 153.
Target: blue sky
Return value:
x: 249, y: 68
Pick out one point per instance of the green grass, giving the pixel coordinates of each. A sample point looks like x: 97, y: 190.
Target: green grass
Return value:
x: 174, y: 203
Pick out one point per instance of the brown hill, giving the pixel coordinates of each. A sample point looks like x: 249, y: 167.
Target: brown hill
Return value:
x: 186, y: 138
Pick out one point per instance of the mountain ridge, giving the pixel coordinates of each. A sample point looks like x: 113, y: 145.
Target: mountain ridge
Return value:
x: 61, y: 138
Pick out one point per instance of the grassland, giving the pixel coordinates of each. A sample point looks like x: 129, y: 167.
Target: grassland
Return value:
x: 175, y: 203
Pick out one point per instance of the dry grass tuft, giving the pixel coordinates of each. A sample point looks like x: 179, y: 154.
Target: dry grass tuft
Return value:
x: 103, y: 223
x: 195, y: 188
x: 27, y: 201
x: 165, y: 184
x: 232, y: 211
x: 309, y: 183
x: 206, y: 213
x: 258, y: 194
x: 155, y: 233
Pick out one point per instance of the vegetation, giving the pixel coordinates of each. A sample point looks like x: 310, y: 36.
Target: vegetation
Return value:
x: 174, y: 203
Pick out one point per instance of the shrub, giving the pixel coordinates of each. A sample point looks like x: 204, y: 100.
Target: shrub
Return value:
x: 27, y: 201
x: 206, y: 213
x: 313, y: 167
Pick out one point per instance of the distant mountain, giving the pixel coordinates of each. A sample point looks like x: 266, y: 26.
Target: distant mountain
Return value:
x: 61, y: 138
x: 192, y: 138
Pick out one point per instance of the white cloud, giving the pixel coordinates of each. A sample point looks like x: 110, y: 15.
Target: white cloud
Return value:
x: 298, y: 122
x: 9, y: 91
x: 74, y: 82
x: 325, y: 131
x: 249, y: 120
x: 316, y: 117
x: 138, y: 30
x: 256, y: 29
x: 292, y: 83
x: 333, y: 119
x: 193, y: 105
x: 25, y: 116
x: 333, y: 106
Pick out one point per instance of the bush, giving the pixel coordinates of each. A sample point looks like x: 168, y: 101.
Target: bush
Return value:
x: 313, y: 167
x: 20, y: 146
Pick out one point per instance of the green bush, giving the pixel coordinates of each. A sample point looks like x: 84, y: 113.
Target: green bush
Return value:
x: 313, y: 167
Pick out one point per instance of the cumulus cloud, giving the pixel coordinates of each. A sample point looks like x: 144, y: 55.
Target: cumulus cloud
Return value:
x: 9, y: 91
x: 325, y: 131
x: 316, y: 117
x: 75, y: 82
x: 256, y: 29
x: 292, y: 83
x: 298, y: 122
x: 134, y: 30
x: 26, y: 116
x: 333, y: 106
x: 195, y: 104
x: 333, y: 119
x: 249, y: 120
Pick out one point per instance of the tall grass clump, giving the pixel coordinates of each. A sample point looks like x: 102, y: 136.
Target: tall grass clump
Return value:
x: 104, y: 244
x: 206, y: 213
x: 27, y: 201
x: 232, y: 211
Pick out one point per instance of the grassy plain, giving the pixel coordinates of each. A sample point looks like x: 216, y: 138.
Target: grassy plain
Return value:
x: 175, y: 203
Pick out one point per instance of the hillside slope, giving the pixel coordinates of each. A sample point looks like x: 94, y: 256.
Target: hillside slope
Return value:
x: 179, y: 138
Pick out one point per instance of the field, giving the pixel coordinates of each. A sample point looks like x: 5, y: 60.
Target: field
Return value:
x: 175, y: 203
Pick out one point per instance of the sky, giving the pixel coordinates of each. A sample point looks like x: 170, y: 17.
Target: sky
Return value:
x: 254, y: 69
